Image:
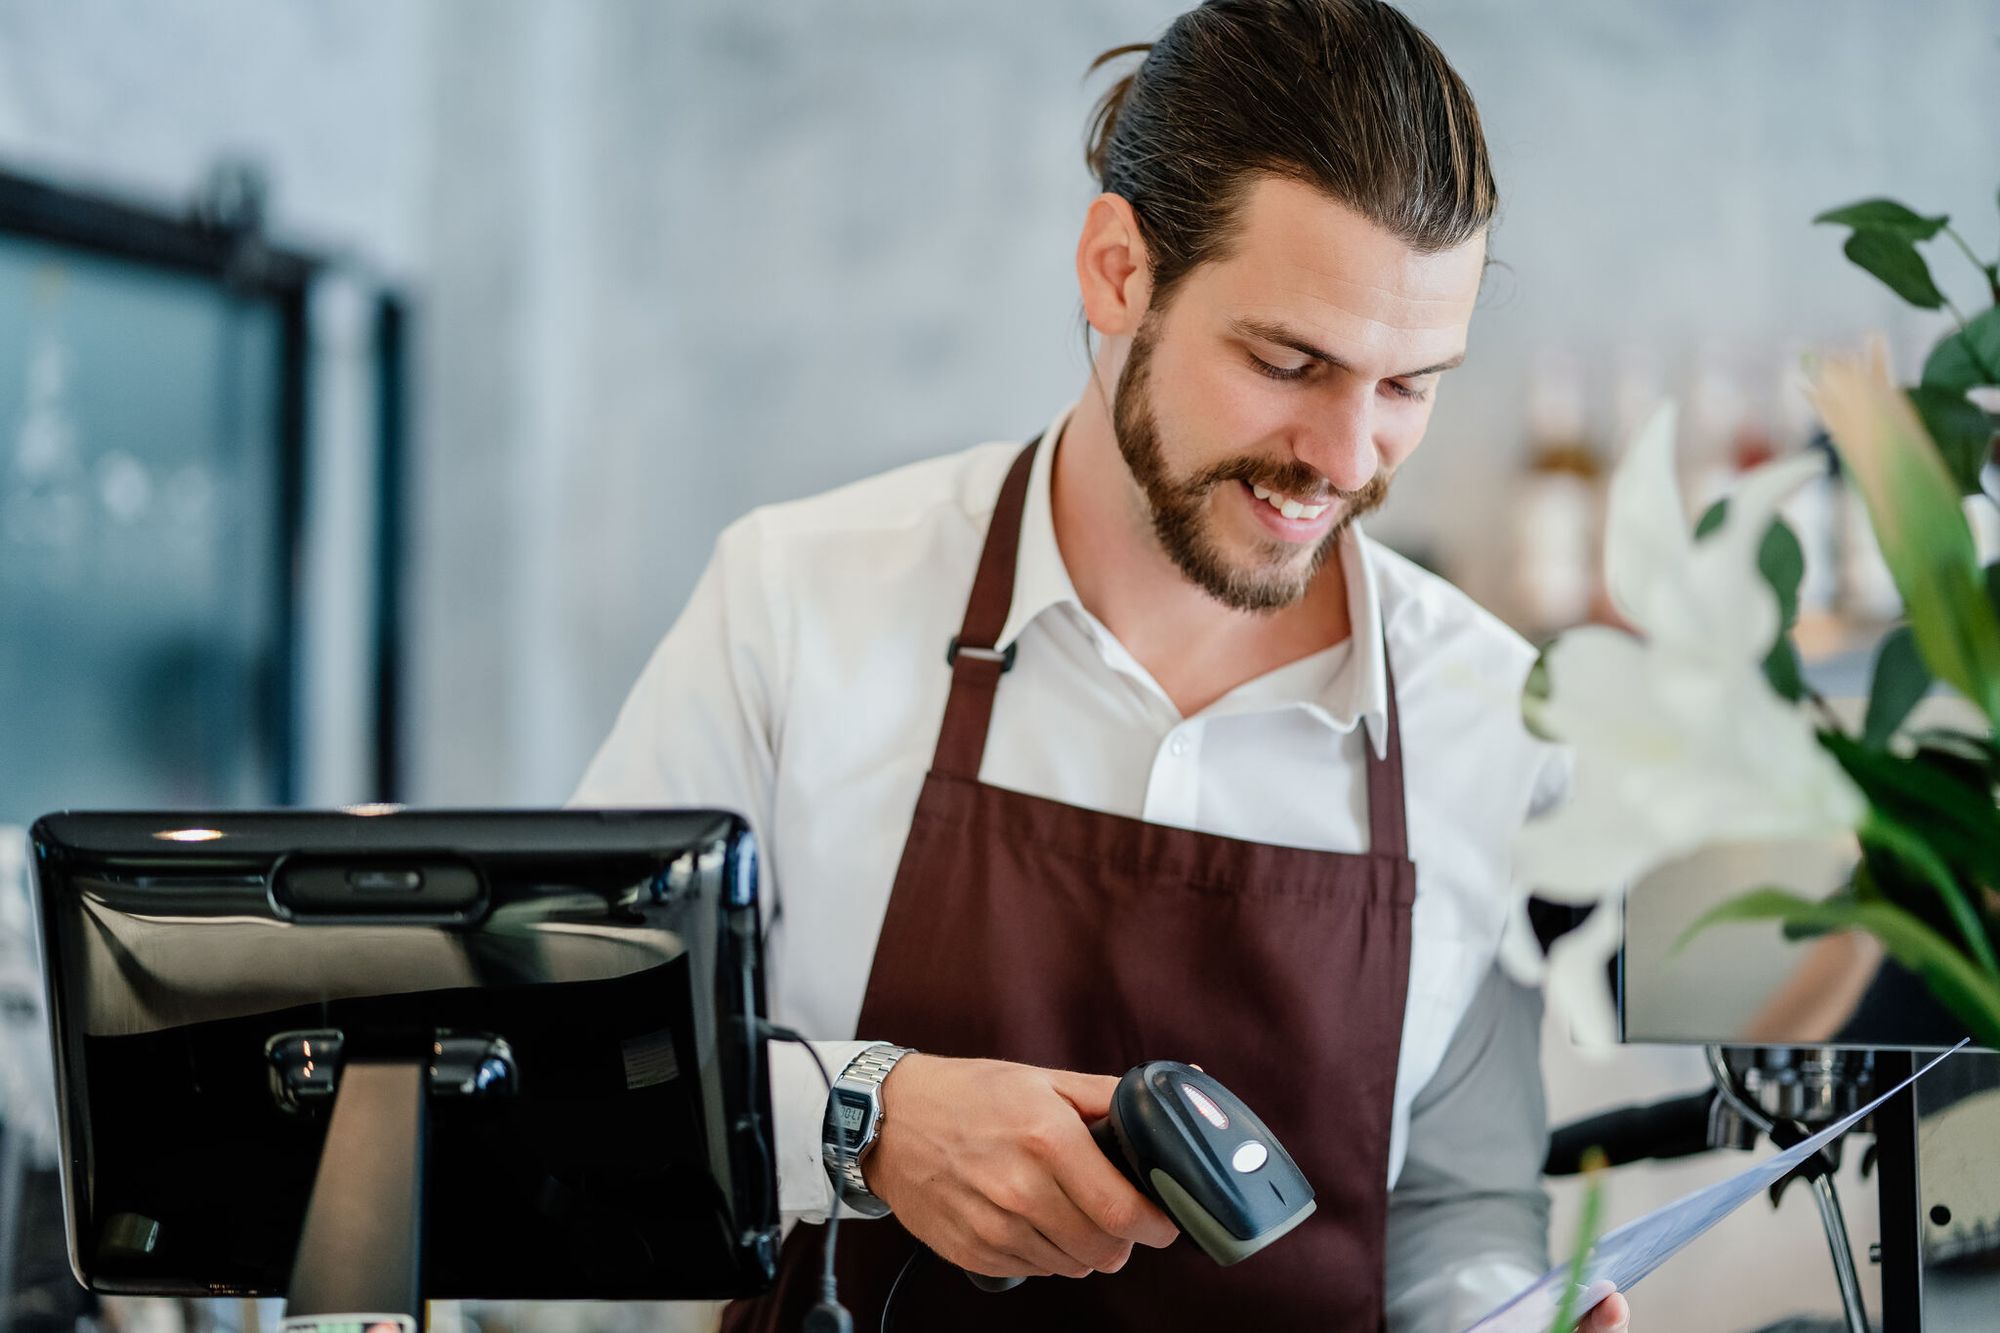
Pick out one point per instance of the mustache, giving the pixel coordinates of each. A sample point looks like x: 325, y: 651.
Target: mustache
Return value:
x: 1293, y: 479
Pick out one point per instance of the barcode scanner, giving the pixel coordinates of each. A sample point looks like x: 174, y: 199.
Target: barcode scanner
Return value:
x: 1192, y: 1147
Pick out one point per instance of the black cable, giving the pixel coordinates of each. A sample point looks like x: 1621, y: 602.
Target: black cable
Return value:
x: 918, y: 1250
x: 829, y: 1316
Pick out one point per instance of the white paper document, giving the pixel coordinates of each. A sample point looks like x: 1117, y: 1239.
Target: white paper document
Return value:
x: 1626, y: 1255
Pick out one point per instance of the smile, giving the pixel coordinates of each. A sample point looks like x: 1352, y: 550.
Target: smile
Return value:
x: 1287, y: 506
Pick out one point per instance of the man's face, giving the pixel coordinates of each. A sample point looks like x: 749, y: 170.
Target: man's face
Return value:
x: 1273, y: 399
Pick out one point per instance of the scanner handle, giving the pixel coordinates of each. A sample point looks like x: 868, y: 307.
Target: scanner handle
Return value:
x: 1107, y: 1143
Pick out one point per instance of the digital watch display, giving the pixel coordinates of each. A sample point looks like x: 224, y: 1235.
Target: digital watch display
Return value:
x: 853, y: 1120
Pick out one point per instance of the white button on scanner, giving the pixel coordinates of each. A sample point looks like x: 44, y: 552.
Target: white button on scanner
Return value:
x: 1248, y: 1156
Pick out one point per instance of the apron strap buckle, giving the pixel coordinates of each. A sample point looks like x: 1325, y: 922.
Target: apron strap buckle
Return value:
x: 977, y: 653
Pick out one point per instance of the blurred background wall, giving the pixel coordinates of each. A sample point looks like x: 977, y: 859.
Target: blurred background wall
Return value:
x: 674, y: 260
x: 671, y: 260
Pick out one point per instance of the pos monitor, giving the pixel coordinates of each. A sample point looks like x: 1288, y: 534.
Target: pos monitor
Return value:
x: 366, y: 1058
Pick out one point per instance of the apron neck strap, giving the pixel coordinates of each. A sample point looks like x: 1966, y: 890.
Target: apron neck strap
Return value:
x: 977, y: 665
x: 1387, y: 832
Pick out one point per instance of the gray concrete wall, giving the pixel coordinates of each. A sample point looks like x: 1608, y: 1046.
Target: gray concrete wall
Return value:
x: 819, y: 240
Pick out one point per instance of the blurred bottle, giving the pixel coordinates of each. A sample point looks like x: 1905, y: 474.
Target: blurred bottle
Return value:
x: 1556, y: 513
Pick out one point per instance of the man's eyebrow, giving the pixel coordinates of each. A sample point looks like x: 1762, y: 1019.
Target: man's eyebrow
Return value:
x: 1284, y: 337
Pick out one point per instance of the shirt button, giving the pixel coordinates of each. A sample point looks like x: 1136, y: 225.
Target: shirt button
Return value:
x: 1177, y: 746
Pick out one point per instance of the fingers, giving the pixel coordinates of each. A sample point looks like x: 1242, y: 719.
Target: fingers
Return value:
x: 1090, y: 1094
x: 1043, y: 1204
x: 1000, y: 1243
x: 1610, y: 1315
x: 993, y: 1166
x: 1100, y: 1192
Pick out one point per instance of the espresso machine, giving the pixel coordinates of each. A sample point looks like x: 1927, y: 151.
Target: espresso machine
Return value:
x: 1797, y: 1032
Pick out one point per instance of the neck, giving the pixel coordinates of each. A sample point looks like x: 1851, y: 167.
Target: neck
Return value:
x: 1197, y: 648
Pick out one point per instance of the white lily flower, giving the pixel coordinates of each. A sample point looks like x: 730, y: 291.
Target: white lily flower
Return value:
x: 1679, y: 740
x: 1573, y: 973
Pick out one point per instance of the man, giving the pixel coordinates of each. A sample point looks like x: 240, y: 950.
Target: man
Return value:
x: 1129, y: 745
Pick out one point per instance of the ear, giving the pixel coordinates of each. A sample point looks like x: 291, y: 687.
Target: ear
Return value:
x: 1112, y: 270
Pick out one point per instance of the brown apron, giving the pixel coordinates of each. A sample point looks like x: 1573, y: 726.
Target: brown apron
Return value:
x: 1023, y: 929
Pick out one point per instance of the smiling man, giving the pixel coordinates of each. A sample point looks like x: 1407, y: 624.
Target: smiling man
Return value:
x: 1127, y: 744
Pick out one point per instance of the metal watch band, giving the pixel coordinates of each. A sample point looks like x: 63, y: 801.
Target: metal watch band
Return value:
x: 864, y: 1074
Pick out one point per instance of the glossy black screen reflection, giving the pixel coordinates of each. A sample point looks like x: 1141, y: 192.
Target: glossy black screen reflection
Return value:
x: 615, y: 954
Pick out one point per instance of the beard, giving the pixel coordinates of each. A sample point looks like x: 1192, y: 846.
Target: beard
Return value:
x: 1272, y: 576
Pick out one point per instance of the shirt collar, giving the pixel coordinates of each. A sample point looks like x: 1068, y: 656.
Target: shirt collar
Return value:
x: 1358, y: 693
x: 1041, y: 580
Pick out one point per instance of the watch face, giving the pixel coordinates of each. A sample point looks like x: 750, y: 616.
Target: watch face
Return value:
x: 853, y: 1113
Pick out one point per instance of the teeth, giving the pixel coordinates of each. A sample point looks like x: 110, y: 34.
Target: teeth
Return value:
x: 1289, y: 508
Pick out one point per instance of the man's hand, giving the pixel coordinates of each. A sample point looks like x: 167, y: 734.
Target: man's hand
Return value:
x: 1610, y: 1315
x: 992, y: 1165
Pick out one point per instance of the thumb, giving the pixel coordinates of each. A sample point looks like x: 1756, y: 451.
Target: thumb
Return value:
x: 1090, y: 1094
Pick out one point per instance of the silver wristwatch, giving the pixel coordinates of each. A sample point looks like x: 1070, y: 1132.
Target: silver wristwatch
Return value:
x: 857, y: 1104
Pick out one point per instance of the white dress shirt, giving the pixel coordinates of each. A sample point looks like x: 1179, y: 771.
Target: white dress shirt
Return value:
x: 803, y: 685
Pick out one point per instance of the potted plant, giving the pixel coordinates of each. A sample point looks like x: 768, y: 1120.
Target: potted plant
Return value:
x: 1696, y: 725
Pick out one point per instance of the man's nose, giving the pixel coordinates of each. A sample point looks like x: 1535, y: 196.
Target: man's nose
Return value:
x: 1338, y: 442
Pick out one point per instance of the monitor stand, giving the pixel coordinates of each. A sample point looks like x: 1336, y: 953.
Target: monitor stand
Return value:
x: 358, y: 1268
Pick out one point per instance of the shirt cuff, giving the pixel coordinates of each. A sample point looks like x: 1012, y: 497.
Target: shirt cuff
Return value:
x: 798, y: 1108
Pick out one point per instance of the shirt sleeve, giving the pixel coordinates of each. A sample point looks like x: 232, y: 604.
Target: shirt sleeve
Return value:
x: 702, y: 727
x: 1468, y: 1219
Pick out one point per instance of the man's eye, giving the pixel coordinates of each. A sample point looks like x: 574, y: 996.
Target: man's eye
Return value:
x: 1402, y: 390
x: 1270, y: 371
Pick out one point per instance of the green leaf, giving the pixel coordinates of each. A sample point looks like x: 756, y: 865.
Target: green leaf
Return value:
x: 1967, y: 359
x: 1808, y: 930
x: 1914, y: 508
x: 1885, y: 215
x: 1973, y: 996
x: 1973, y: 760
x: 1901, y: 679
x: 1780, y: 559
x: 1955, y: 757
x: 1895, y: 261
x: 1784, y: 671
x: 1782, y: 562
x: 1948, y: 808
x: 1921, y: 815
x: 1961, y: 429
x: 1909, y: 847
x: 1588, y: 1223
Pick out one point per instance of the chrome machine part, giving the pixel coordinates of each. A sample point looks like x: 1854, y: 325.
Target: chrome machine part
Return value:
x: 1825, y: 1083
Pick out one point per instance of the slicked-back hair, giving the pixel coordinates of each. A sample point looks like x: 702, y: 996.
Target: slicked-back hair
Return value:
x: 1346, y: 96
